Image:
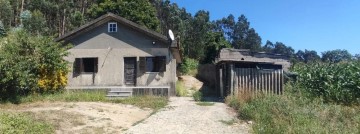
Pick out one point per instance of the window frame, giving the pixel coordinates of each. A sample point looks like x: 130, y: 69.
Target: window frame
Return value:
x: 158, y: 64
x: 79, y: 65
x: 110, y: 28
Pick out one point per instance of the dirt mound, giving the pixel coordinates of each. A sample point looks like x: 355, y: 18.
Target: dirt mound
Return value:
x: 191, y: 82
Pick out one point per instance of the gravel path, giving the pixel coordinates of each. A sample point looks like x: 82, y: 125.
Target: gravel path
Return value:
x: 184, y: 116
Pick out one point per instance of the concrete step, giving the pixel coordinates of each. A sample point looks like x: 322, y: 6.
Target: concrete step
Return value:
x: 117, y: 96
x: 121, y: 89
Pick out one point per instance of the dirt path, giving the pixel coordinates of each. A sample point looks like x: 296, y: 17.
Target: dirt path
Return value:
x: 184, y: 116
x: 84, y: 117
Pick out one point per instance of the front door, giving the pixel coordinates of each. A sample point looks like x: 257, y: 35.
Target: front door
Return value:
x: 130, y: 71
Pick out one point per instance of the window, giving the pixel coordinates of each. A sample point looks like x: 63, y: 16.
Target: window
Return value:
x: 112, y: 27
x: 85, y: 65
x: 153, y: 64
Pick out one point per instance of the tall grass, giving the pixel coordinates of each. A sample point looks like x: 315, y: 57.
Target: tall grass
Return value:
x: 294, y: 112
x: 180, y: 89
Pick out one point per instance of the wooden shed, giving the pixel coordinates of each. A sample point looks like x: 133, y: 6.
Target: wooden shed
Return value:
x: 240, y: 70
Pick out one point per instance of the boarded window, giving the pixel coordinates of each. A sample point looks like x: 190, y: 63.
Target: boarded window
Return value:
x: 85, y: 65
x: 153, y: 64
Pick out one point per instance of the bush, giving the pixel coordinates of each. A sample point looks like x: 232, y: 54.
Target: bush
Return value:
x: 197, y: 96
x: 30, y: 64
x: 336, y: 82
x: 189, y: 66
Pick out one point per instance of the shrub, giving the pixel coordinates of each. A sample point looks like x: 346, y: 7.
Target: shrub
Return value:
x: 334, y: 82
x: 30, y: 64
x: 189, y: 66
x: 197, y: 96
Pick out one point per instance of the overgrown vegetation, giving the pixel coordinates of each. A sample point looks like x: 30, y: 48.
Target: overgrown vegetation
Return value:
x: 323, y: 99
x: 198, y: 96
x: 180, y: 89
x: 16, y: 123
x: 30, y: 64
x: 334, y: 82
x: 295, y: 112
x: 189, y: 66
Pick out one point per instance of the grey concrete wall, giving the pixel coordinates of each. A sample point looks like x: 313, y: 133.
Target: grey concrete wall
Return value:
x: 110, y: 49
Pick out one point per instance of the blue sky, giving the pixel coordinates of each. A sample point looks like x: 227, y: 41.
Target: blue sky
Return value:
x: 319, y: 25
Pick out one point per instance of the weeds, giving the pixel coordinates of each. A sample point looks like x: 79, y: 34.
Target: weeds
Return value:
x: 15, y: 123
x: 197, y: 96
x: 180, y: 89
x: 205, y: 103
x: 293, y: 112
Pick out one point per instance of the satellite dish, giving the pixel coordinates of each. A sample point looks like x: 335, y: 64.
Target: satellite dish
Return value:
x: 171, y: 35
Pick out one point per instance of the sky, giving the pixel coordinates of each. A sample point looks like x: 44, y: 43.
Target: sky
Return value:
x: 319, y: 25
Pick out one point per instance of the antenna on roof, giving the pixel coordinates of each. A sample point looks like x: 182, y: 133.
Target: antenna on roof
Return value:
x: 171, y: 35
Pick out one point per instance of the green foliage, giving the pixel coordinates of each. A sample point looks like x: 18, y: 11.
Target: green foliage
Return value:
x: 188, y: 66
x: 295, y: 113
x: 34, y: 22
x: 307, y: 56
x: 6, y: 13
x: 153, y: 102
x: 239, y: 33
x: 14, y: 123
x: 25, y: 59
x: 138, y: 11
x: 180, y: 89
x: 338, y: 82
x: 197, y: 96
x: 336, y: 56
x: 2, y: 30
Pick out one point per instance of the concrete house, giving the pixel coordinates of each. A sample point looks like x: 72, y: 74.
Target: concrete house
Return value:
x: 114, y: 53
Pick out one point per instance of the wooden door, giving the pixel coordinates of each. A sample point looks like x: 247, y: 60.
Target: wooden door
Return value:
x: 130, y: 71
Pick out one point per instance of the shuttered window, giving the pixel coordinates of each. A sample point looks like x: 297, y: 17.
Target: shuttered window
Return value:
x: 85, y: 65
x: 153, y: 64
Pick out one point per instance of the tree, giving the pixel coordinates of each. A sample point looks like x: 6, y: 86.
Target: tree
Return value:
x: 2, y: 30
x: 239, y: 33
x: 268, y: 47
x: 281, y: 48
x: 335, y: 56
x: 6, y: 13
x: 138, y: 11
x: 307, y: 56
x: 34, y: 22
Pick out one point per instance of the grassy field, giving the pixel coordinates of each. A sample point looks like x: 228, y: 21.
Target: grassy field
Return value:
x: 295, y: 113
x: 18, y: 123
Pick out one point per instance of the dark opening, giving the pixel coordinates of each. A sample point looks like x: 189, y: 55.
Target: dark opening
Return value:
x: 89, y: 65
x: 153, y: 64
x: 85, y: 65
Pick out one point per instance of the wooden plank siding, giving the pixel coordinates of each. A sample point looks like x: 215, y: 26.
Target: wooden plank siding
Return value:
x: 254, y: 80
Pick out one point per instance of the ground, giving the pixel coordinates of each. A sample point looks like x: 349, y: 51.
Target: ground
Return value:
x: 184, y: 116
x: 84, y: 117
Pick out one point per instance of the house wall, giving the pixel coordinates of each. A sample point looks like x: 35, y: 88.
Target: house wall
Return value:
x: 110, y: 49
